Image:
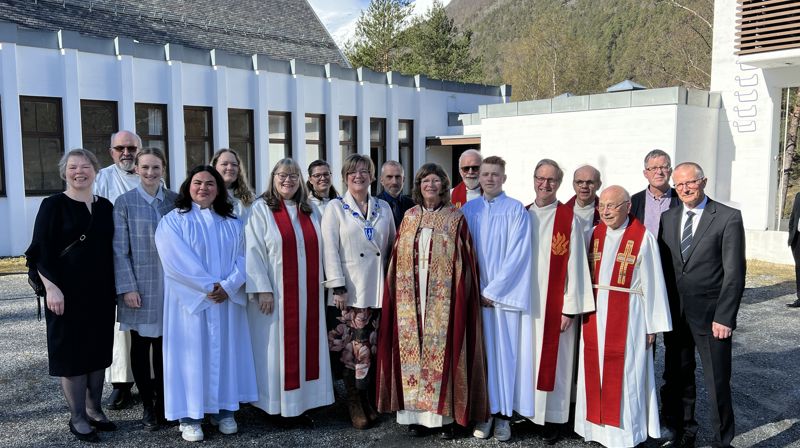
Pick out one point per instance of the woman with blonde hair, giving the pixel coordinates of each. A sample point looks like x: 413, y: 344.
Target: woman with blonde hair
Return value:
x: 229, y: 165
x: 286, y: 310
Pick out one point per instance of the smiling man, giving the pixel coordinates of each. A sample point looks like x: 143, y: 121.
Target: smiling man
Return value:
x: 619, y: 408
x: 586, y: 182
x: 112, y: 182
x: 562, y: 290
x: 469, y: 164
x: 501, y: 231
x: 702, y: 244
x: 648, y: 204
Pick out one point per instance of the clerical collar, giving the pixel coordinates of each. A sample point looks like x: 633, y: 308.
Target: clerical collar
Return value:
x: 621, y: 228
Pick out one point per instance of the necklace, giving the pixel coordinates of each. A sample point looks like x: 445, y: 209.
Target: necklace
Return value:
x: 368, y: 225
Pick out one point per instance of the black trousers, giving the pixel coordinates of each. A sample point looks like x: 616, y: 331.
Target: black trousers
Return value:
x: 679, y: 394
x: 796, y: 255
x: 151, y: 388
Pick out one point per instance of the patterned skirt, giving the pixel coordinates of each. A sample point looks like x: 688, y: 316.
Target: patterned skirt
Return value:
x: 352, y: 339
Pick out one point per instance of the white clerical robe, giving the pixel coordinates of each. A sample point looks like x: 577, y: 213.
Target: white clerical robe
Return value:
x: 500, y: 229
x: 648, y: 314
x: 208, y: 358
x: 585, y: 216
x: 537, y: 405
x: 112, y: 182
x: 265, y: 265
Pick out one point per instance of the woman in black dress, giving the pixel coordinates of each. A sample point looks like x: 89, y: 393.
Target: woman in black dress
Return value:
x: 73, y: 253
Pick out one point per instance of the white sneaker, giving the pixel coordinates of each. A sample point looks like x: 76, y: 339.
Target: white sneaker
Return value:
x: 502, y: 430
x: 483, y: 430
x: 191, y: 432
x: 226, y: 425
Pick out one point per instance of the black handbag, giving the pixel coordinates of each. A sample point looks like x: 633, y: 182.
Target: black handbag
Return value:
x: 34, y: 280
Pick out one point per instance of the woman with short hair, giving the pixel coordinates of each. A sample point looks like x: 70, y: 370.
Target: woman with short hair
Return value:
x: 357, y: 232
x: 71, y: 249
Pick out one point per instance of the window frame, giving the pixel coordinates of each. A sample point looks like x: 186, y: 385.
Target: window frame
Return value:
x: 287, y: 140
x: 409, y: 170
x: 250, y: 157
x: 58, y: 101
x: 377, y: 148
x: 147, y: 138
x: 86, y: 136
x: 352, y: 145
x: 323, y: 150
x: 209, y: 138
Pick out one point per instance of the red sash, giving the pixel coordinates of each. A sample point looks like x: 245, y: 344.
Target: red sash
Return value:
x: 604, y: 402
x: 459, y: 195
x: 291, y: 298
x: 559, y: 257
x: 595, y: 219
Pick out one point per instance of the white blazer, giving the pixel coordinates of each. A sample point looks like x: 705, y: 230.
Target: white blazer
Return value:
x: 352, y: 260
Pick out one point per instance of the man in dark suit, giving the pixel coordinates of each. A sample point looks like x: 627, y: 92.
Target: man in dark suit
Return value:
x: 392, y: 181
x: 648, y: 204
x: 702, y: 244
x: 794, y: 243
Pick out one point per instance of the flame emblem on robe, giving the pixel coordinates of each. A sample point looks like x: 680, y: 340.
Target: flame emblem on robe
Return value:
x: 560, y: 245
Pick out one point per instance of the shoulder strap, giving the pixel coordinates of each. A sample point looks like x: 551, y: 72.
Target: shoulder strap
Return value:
x: 83, y: 235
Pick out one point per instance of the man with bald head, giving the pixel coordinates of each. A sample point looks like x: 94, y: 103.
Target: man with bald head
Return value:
x: 112, y: 182
x: 616, y: 401
x: 586, y: 182
x: 469, y: 164
x: 702, y: 243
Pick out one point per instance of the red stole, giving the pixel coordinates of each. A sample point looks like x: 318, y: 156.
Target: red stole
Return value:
x: 595, y: 219
x: 291, y: 298
x: 459, y: 195
x: 559, y: 258
x: 604, y: 401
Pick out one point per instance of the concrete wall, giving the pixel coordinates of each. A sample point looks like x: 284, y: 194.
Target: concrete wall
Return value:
x: 299, y: 88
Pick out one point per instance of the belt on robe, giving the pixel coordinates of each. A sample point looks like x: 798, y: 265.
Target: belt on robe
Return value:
x: 617, y: 288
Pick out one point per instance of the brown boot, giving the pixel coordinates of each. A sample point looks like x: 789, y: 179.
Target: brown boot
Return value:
x: 357, y: 416
x: 366, y: 404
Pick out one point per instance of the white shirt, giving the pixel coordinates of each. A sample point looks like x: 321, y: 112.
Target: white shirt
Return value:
x: 698, y: 212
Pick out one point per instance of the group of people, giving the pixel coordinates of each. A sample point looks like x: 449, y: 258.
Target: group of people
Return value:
x: 455, y: 306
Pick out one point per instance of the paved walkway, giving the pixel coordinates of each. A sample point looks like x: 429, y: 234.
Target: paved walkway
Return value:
x: 765, y: 385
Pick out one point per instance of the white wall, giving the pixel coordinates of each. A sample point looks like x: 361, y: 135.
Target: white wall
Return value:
x: 73, y: 75
x: 613, y: 140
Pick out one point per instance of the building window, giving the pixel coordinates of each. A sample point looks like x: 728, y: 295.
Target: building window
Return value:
x: 151, y: 127
x: 98, y: 122
x: 241, y: 139
x: 405, y: 135
x: 42, y: 144
x: 280, y: 136
x: 348, y: 136
x: 315, y: 138
x: 199, y: 141
x: 377, y: 146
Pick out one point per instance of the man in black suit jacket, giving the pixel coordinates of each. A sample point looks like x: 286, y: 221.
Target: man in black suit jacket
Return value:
x: 658, y: 194
x: 702, y: 244
x: 794, y: 243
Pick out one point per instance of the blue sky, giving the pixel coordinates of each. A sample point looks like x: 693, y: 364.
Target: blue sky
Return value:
x: 340, y: 16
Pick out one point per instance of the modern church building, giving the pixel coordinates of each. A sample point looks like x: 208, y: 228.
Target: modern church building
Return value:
x: 265, y: 78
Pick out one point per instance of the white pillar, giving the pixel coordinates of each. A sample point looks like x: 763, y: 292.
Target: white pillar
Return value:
x: 261, y: 136
x: 219, y: 113
x: 127, y: 105
x: 177, y: 136
x: 71, y: 104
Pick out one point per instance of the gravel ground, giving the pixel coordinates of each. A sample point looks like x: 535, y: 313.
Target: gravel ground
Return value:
x: 765, y: 387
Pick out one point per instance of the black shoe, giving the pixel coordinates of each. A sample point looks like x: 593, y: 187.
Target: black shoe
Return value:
x: 795, y: 304
x: 684, y: 441
x: 447, y: 432
x: 90, y: 437
x: 102, y: 426
x: 120, y: 398
x: 550, y: 433
x: 149, y: 420
x: 416, y: 430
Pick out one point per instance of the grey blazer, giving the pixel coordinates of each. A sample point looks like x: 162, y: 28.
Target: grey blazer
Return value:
x: 136, y: 263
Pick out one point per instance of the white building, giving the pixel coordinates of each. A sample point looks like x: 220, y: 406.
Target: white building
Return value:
x: 61, y: 90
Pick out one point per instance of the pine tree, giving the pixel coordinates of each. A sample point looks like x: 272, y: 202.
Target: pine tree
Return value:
x: 379, y: 33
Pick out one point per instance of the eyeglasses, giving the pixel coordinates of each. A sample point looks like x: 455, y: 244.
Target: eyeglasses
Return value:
x: 581, y: 183
x: 473, y: 168
x: 364, y: 173
x: 283, y: 176
x: 128, y: 149
x: 663, y: 168
x: 549, y: 180
x: 321, y: 175
x: 603, y: 207
x: 689, y: 183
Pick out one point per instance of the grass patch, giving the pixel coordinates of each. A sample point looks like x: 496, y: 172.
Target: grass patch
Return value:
x: 780, y: 272
x: 12, y: 265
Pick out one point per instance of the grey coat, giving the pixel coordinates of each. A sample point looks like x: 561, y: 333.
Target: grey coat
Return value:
x: 136, y: 263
